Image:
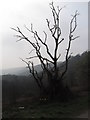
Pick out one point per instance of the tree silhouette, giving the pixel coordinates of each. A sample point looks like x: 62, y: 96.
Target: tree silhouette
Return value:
x: 49, y: 65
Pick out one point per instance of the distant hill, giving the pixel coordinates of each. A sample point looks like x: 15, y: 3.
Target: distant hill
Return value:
x: 75, y: 64
x: 15, y: 71
x: 20, y: 71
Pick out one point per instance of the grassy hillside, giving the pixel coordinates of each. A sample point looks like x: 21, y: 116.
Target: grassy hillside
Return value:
x: 70, y: 109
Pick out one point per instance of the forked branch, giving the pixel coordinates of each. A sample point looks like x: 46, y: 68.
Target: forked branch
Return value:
x: 72, y: 29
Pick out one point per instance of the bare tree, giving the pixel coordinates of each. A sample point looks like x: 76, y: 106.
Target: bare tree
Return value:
x: 54, y: 79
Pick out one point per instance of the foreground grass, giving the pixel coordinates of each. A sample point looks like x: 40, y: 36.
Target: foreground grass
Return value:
x: 49, y: 110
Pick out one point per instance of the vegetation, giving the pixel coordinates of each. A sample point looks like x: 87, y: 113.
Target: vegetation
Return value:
x: 23, y: 91
x: 68, y: 109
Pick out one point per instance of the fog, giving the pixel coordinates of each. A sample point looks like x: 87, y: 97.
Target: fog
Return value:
x: 24, y: 12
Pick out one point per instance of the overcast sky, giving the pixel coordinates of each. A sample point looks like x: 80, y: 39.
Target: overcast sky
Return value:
x: 24, y: 12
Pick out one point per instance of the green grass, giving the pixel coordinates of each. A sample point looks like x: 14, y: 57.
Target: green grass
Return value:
x: 50, y: 110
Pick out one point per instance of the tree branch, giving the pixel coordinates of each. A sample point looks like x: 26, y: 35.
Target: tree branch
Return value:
x: 72, y: 29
